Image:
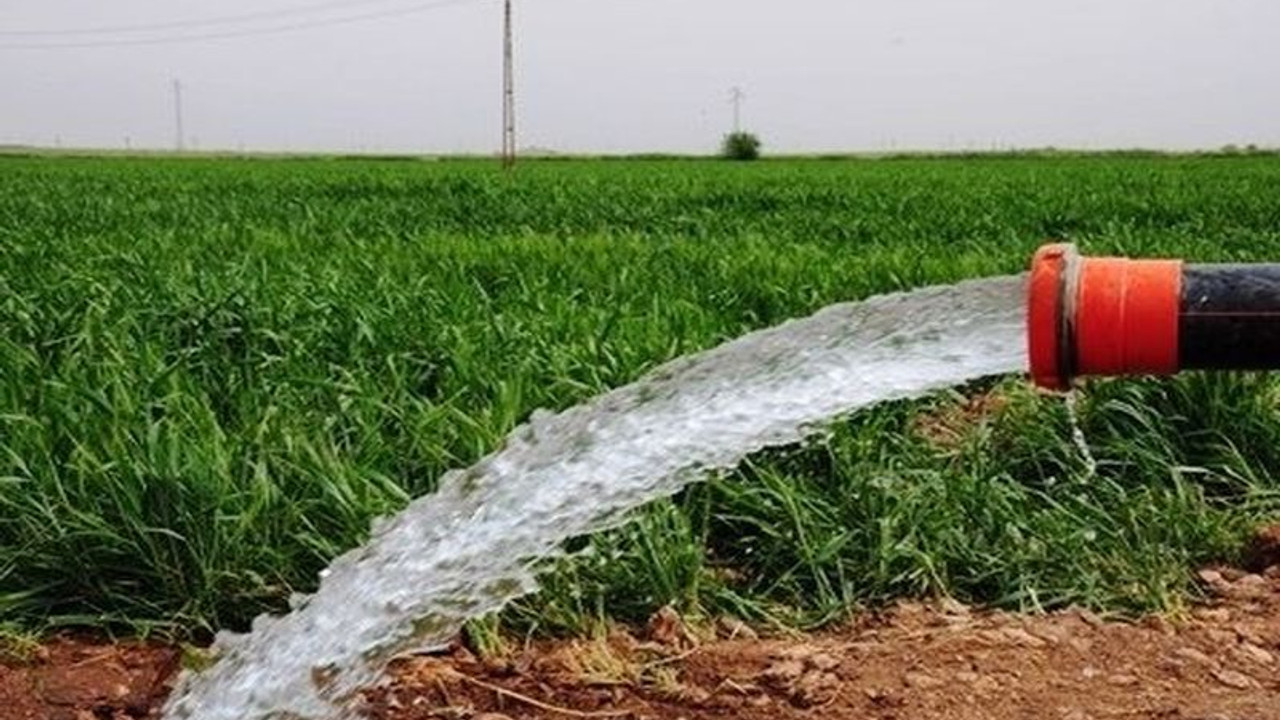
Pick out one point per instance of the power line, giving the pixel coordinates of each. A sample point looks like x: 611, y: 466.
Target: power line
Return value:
x: 194, y: 22
x: 508, y: 91
x: 179, y: 137
x: 736, y: 96
x: 270, y: 30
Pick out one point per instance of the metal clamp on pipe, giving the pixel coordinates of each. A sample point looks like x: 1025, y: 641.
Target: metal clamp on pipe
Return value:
x: 1116, y: 316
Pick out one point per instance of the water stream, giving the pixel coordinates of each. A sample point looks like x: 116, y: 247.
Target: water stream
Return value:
x: 1081, y: 441
x: 478, y: 542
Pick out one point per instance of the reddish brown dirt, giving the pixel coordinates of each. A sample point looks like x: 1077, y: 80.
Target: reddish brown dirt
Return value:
x: 915, y: 662
x: 943, y: 661
x: 69, y: 679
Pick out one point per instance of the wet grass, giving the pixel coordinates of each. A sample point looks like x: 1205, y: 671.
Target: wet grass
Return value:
x: 214, y: 373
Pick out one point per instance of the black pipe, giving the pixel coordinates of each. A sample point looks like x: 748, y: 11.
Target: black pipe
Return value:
x: 1229, y: 317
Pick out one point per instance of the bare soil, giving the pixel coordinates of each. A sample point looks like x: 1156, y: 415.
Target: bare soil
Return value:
x: 942, y: 661
x: 937, y: 661
x: 79, y: 679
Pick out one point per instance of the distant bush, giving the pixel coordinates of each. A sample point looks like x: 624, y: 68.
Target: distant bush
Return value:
x: 740, y: 146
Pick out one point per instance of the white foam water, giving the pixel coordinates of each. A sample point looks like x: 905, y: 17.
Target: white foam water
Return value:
x: 477, y: 542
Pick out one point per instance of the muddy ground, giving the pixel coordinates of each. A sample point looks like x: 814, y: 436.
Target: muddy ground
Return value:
x: 941, y: 661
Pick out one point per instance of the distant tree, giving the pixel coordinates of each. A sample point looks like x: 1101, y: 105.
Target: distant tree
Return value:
x: 741, y: 146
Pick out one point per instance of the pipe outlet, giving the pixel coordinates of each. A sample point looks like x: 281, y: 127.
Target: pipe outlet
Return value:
x: 1116, y: 316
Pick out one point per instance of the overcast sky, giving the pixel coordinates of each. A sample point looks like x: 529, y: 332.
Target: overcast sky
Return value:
x: 629, y: 75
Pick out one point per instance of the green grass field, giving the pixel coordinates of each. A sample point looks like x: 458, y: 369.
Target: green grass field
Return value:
x: 214, y: 373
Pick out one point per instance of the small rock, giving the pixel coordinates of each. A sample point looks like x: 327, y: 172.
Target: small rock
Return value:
x: 1248, y: 635
x: 1023, y: 638
x: 967, y: 676
x: 1194, y: 655
x: 1252, y: 581
x: 1091, y: 618
x: 1053, y: 634
x: 1080, y: 644
x: 814, y: 688
x: 1122, y: 680
x: 1090, y: 672
x: 1231, y: 574
x: 1256, y: 654
x: 811, y: 657
x: 1221, y: 637
x: 783, y: 673
x: 1237, y: 680
x: 799, y: 652
x: 1172, y: 666
x: 986, y: 684
x: 1213, y: 615
x: 822, y: 661
x: 922, y: 681
x: 1211, y: 577
x: 992, y: 637
x: 1251, y: 586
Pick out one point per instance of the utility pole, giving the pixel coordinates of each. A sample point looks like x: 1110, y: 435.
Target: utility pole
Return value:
x: 177, y: 115
x: 736, y: 96
x: 508, y: 91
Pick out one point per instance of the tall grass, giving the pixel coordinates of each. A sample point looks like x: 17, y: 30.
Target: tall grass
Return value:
x: 213, y: 374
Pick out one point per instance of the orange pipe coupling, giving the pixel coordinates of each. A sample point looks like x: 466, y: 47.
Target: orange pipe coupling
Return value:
x: 1101, y: 316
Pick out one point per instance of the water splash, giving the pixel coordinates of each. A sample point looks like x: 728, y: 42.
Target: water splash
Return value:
x: 1072, y: 400
x: 476, y: 544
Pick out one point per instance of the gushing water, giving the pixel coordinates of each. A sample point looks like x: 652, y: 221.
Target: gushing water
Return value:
x: 1072, y: 400
x: 477, y: 543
